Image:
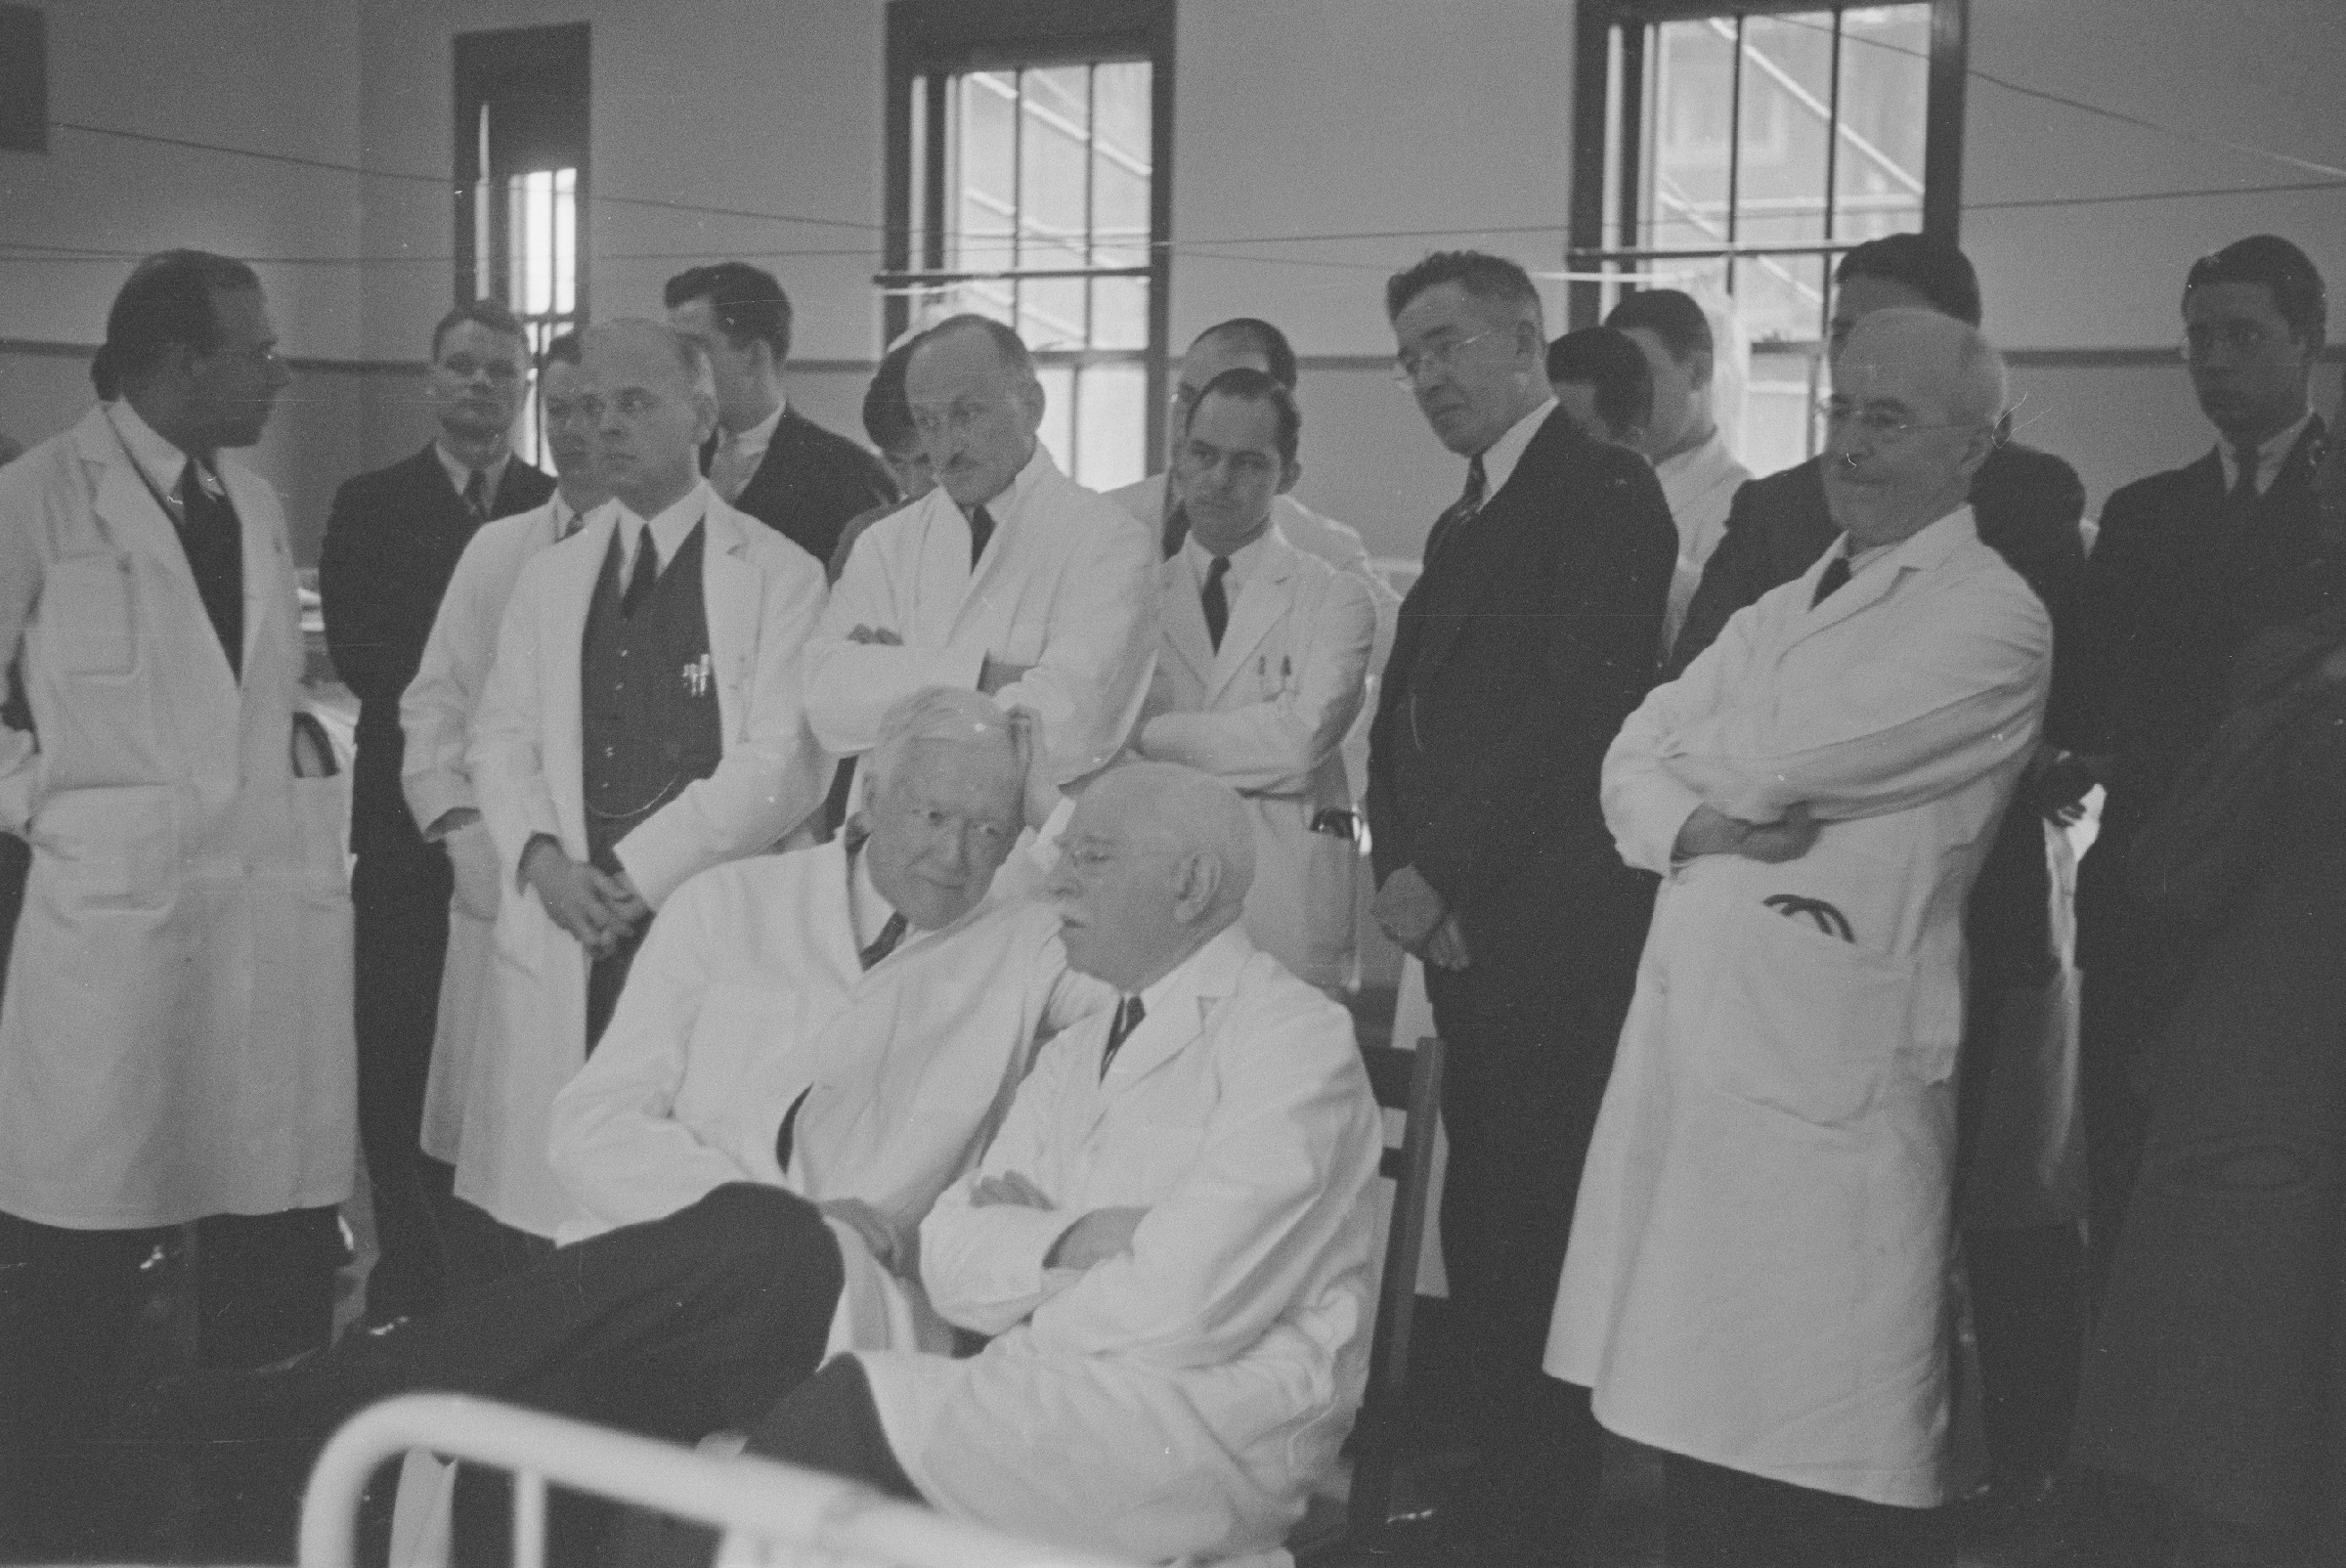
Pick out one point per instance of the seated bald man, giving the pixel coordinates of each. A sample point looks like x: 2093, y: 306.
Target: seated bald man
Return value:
x: 1169, y: 1238
x: 809, y: 1049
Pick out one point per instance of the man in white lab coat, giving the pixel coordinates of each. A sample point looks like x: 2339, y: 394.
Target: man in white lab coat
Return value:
x: 1699, y: 475
x: 1757, y: 1277
x: 176, y: 1040
x: 1008, y: 578
x: 1262, y: 669
x: 627, y: 739
x: 436, y: 714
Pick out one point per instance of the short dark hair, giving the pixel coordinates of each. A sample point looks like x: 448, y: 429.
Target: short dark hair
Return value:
x: 887, y: 417
x: 1670, y: 315
x: 1259, y: 337
x: 1250, y: 385
x: 565, y: 349
x: 486, y: 313
x: 747, y: 301
x: 2287, y: 274
x: 1605, y: 358
x: 1493, y: 278
x: 1931, y: 268
x: 1006, y: 340
x: 166, y: 300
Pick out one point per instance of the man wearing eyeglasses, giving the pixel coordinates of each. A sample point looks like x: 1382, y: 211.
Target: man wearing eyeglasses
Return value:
x: 1757, y: 1278
x: 392, y: 541
x: 1528, y: 636
x: 2189, y: 566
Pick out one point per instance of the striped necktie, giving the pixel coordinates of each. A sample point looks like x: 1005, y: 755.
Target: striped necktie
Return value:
x: 884, y: 943
x: 1458, y: 512
x: 1128, y: 1018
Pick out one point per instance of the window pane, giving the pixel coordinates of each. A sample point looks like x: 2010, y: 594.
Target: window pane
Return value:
x: 1885, y: 87
x: 987, y: 171
x: 1058, y: 409
x: 1780, y: 299
x: 1779, y: 403
x: 1694, y: 98
x: 1052, y: 153
x: 566, y: 236
x: 1786, y: 102
x: 1120, y: 164
x: 1051, y: 313
x: 1120, y: 313
x: 1110, y: 426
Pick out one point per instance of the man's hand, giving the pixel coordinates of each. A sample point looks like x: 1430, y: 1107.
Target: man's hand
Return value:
x: 1710, y: 831
x: 571, y: 897
x: 1008, y: 1188
x: 1447, y: 947
x: 1100, y: 1235
x: 998, y: 674
x: 2058, y: 790
x: 895, y: 1248
x: 876, y: 637
x: 1410, y: 910
x: 472, y: 855
x: 619, y: 892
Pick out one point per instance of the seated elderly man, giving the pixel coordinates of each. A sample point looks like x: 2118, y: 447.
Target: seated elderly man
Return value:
x: 1169, y: 1241
x: 809, y: 1048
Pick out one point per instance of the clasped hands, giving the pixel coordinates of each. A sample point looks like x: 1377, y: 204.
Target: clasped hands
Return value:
x: 1410, y: 911
x: 895, y: 1246
x: 1100, y: 1235
x: 1710, y: 831
x: 993, y: 677
x: 598, y: 907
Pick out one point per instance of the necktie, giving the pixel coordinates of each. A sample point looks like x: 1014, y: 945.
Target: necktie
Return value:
x: 981, y: 529
x: 884, y: 943
x: 476, y: 497
x: 1128, y: 1018
x: 214, y: 544
x: 787, y: 1138
x: 1177, y: 529
x: 1460, y: 511
x: 1837, y: 572
x: 645, y: 575
x: 1216, y: 600
x: 2243, y: 496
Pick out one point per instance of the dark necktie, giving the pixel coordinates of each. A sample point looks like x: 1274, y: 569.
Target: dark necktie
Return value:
x: 214, y: 544
x: 645, y: 578
x: 786, y: 1139
x: 884, y: 943
x: 2242, y: 496
x: 1216, y: 600
x: 476, y: 497
x: 1177, y: 529
x: 1837, y: 573
x: 1128, y: 1018
x: 981, y: 529
x: 1461, y: 511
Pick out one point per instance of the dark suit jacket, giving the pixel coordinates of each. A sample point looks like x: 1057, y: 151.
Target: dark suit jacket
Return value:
x: 1528, y: 639
x: 391, y: 544
x: 2175, y: 589
x: 810, y: 481
x: 2027, y: 503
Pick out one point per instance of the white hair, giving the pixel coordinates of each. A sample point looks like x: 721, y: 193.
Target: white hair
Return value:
x: 939, y: 714
x: 1196, y: 812
x: 1977, y: 380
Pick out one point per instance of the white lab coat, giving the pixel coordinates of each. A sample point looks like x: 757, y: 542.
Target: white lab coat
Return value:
x: 177, y: 1035
x: 1757, y: 1268
x: 1183, y: 1397
x: 1700, y: 486
x: 763, y: 595
x: 1267, y: 714
x: 1065, y: 586
x: 436, y: 714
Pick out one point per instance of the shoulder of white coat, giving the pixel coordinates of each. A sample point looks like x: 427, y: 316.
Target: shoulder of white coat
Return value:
x: 41, y: 469
x: 1278, y: 1024
x: 771, y: 551
x: 1143, y: 498
x: 736, y: 894
x: 1979, y: 574
x: 1072, y: 512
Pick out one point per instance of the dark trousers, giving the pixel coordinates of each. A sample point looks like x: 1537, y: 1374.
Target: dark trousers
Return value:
x: 672, y: 1329
x: 399, y: 904
x: 1529, y: 1029
x: 72, y: 1307
x: 1712, y: 1517
x: 2124, y: 1006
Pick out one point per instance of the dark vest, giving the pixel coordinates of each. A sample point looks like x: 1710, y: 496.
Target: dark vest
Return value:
x: 647, y: 698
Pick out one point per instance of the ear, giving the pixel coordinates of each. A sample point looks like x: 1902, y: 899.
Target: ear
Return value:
x: 1289, y: 476
x: 1031, y: 402
x: 1194, y: 884
x: 703, y: 419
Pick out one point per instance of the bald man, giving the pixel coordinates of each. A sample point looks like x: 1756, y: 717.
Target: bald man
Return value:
x: 1756, y: 1277
x: 642, y: 723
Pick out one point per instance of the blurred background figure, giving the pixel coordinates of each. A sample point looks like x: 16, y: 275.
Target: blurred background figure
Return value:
x: 1600, y: 379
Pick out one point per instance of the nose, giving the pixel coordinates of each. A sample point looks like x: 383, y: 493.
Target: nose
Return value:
x: 1060, y: 884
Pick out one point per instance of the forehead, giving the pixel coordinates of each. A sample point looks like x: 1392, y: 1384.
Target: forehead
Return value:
x: 1210, y: 356
x: 1860, y: 297
x: 633, y: 362
x: 961, y: 363
x: 1446, y: 310
x: 479, y: 341
x: 2232, y: 301
x: 563, y: 379
x: 940, y: 771
x: 1879, y: 369
x: 1224, y: 420
x: 241, y: 316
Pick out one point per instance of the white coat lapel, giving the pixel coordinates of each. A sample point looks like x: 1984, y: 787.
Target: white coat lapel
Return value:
x: 1181, y: 1014
x: 730, y: 592
x: 1262, y: 604
x: 561, y: 628
x: 944, y: 571
x: 1185, y: 620
x: 139, y: 525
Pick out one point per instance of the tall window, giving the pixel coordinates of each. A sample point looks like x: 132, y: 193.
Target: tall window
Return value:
x: 1027, y: 183
x: 521, y: 163
x: 1736, y: 151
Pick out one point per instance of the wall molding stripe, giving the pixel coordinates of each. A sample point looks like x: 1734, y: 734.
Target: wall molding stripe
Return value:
x: 44, y: 348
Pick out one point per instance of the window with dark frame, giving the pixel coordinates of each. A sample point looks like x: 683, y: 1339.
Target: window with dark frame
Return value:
x: 521, y: 183
x: 1028, y: 152
x: 1737, y: 150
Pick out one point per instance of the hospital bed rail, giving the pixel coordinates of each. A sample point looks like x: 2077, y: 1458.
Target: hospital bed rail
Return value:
x: 833, y: 1521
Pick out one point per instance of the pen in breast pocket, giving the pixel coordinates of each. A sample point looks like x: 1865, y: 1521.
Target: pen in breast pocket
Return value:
x: 1287, y: 666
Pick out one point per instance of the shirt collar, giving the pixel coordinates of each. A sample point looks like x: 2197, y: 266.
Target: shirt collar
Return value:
x: 671, y: 528
x: 459, y: 473
x: 2271, y: 454
x: 1927, y: 543
x: 1502, y: 455
x: 1244, y: 561
x: 760, y: 436
x: 868, y: 911
x: 1004, y: 504
x: 161, y: 462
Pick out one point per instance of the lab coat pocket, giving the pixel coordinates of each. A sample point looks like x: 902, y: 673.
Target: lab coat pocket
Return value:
x: 1806, y: 1020
x: 88, y: 615
x: 112, y: 847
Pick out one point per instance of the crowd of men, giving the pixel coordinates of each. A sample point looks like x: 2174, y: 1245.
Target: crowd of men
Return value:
x: 847, y: 950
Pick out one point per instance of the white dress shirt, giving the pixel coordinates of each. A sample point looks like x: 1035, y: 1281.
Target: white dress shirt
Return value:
x: 1502, y: 455
x: 459, y: 474
x: 670, y: 528
x: 2271, y: 454
x: 1700, y: 485
x: 740, y: 451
